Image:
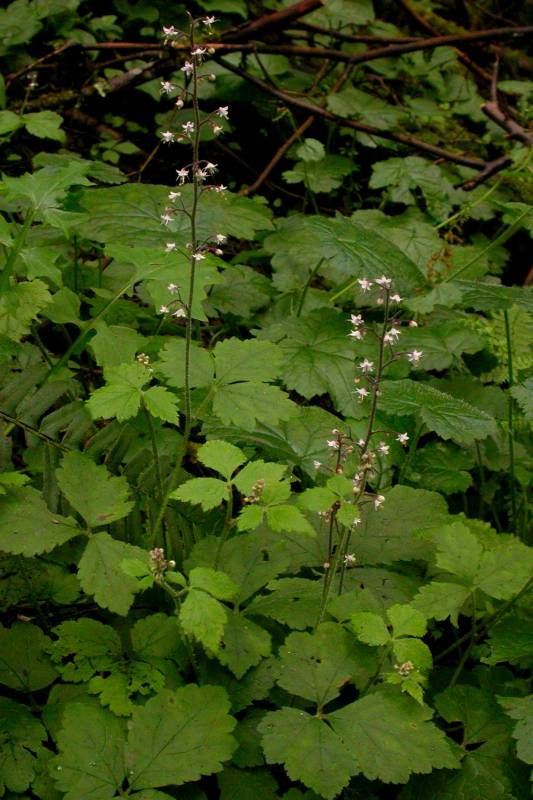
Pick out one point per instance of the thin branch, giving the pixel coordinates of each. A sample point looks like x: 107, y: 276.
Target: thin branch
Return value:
x: 275, y: 20
x: 516, y: 131
x: 357, y: 37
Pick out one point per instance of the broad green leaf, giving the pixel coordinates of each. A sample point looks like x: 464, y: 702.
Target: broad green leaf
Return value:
x: 21, y: 743
x: 288, y: 518
x: 493, y: 296
x: 222, y: 457
x: 523, y: 394
x: 370, y: 628
x: 45, y: 190
x: 294, y: 602
x: 441, y: 467
x: 521, y: 709
x: 214, y: 582
x: 64, y: 307
x: 90, y: 763
x: 247, y: 403
x: 27, y: 527
x: 45, y: 125
x: 203, y: 618
x: 244, y: 644
x: 309, y: 750
x: 179, y: 736
x: 349, y: 251
x: 9, y: 122
x: 155, y: 636
x: 317, y: 666
x: 391, y: 737
x: 442, y: 344
x: 24, y: 663
x: 406, y: 621
x: 511, y: 640
x: 121, y: 396
x: 247, y: 360
x: 481, y: 717
x: 318, y: 356
x: 441, y: 599
x: 311, y: 150
x: 448, y: 416
x: 84, y: 647
x: 401, y: 175
x: 172, y: 364
x: 161, y: 404
x: 100, y: 574
x: 268, y: 471
x: 325, y: 175
x: 356, y: 104
x: 238, y: 784
x: 207, y: 492
x: 115, y: 344
x: 99, y: 497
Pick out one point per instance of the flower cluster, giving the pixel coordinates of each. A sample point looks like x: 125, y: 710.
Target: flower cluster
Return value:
x: 159, y: 564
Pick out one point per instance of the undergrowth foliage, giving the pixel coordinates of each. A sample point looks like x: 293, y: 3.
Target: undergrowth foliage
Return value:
x: 264, y: 512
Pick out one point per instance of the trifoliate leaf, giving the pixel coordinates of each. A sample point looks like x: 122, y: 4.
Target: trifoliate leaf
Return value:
x: 90, y: 763
x: 309, y: 750
x: 179, y: 736
x: 24, y: 662
x: 203, y: 618
x: 99, y: 497
x: 207, y: 492
x: 220, y: 456
x: 448, y: 416
x: 27, y: 526
x: 21, y: 742
x: 317, y: 666
x: 244, y: 644
x: 391, y: 737
x: 100, y: 573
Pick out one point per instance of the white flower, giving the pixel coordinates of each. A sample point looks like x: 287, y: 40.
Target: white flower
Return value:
x: 209, y: 21
x: 413, y: 323
x: 364, y: 284
x: 395, y: 298
x: 221, y: 238
x: 379, y: 500
x: 166, y: 218
x: 222, y: 112
x: 180, y: 312
x: 333, y: 443
x: 356, y: 319
x: 362, y: 393
x: 414, y: 356
x: 173, y: 288
x: 166, y: 87
x: 220, y: 188
x: 384, y: 281
x: 198, y: 52
x: 188, y: 128
x: 366, y: 365
x: 210, y: 168
x: 167, y: 136
x: 179, y: 102
x: 383, y: 448
x: 163, y: 309
x: 361, y: 442
x: 403, y: 438
x: 198, y: 256
x: 171, y: 31
x: 317, y: 464
x: 182, y: 174
x: 392, y: 336
x: 188, y: 68
x: 218, y: 252
x: 201, y: 174
x: 350, y: 560
x: 217, y: 129
x: 356, y: 334
x: 170, y: 246
x: 174, y: 195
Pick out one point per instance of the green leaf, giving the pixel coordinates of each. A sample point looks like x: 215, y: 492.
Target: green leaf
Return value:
x: 448, y: 416
x: 521, y: 709
x: 20, y: 304
x: 114, y: 344
x: 309, y: 750
x: 9, y: 122
x: 207, y: 492
x: 121, y: 397
x: 406, y: 621
x: 46, y: 189
x: 356, y: 104
x: 24, y: 664
x: 172, y: 364
x: 238, y: 784
x: 21, y: 742
x: 100, y: 574
x: 244, y: 644
x: 161, y: 404
x: 99, y: 497
x: 203, y: 618
x: 523, y: 394
x: 511, y: 640
x: 392, y: 737
x: 155, y: 636
x: 401, y: 175
x: 317, y: 666
x: 27, y: 527
x: 441, y: 467
x: 179, y: 736
x: 268, y: 471
x: 370, y: 628
x: 294, y: 602
x: 310, y: 150
x: 84, y: 647
x: 318, y: 356
x: 325, y: 175
x: 90, y: 763
x: 442, y: 599
x: 350, y: 251
x: 221, y: 457
x: 214, y: 582
x: 45, y: 125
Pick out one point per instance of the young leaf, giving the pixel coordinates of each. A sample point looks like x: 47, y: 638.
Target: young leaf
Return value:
x: 91, y: 756
x: 179, y: 736
x: 27, y: 526
x: 215, y: 583
x: 100, y: 573
x: 222, y: 457
x: 204, y: 618
x: 121, y: 397
x: 99, y: 497
x: 207, y: 492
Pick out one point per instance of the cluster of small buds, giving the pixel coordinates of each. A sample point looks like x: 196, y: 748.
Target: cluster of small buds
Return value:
x: 159, y: 564
x: 404, y: 669
x: 255, y: 494
x: 142, y: 358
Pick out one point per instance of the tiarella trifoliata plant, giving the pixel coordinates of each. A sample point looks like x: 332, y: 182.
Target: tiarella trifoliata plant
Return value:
x: 265, y: 448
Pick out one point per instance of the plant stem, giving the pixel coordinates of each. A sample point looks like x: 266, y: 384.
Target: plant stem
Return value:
x: 19, y: 243
x: 155, y: 452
